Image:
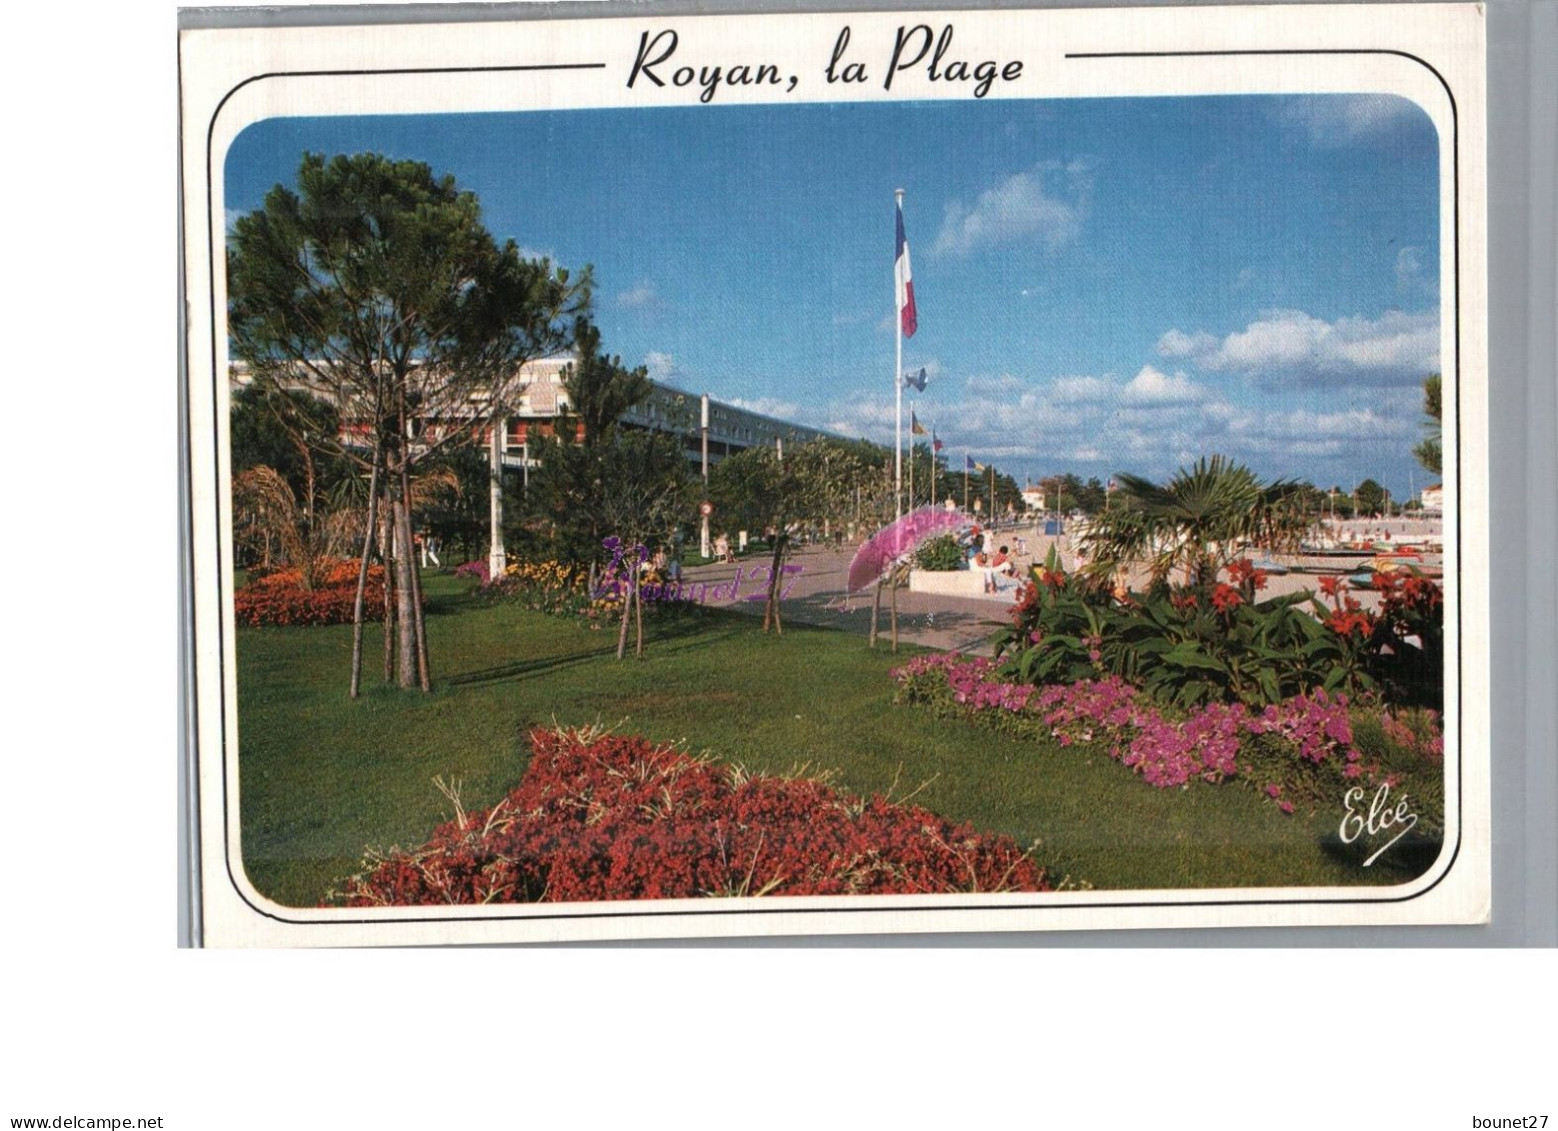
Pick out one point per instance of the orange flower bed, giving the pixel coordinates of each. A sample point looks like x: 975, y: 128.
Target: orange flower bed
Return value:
x: 279, y: 598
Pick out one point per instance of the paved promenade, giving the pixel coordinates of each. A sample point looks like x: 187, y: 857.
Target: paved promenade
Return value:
x: 816, y: 594
x: 817, y: 597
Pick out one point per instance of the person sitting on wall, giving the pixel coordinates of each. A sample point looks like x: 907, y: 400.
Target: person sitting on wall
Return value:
x: 982, y: 564
x: 975, y: 546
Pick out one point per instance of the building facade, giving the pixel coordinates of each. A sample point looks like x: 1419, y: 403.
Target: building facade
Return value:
x: 543, y: 403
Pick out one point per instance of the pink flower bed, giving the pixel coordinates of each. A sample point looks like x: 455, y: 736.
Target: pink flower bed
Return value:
x: 1166, y: 749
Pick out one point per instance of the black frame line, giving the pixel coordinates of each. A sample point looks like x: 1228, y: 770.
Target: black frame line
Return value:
x: 650, y: 912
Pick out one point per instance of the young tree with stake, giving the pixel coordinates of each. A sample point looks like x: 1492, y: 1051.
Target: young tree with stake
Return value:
x: 376, y: 286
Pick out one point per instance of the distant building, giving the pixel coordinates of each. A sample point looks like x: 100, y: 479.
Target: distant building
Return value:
x: 1432, y: 498
x: 1033, y: 497
x: 543, y: 400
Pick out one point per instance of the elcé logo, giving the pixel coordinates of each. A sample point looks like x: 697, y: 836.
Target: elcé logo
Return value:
x: 617, y: 580
x: 1381, y: 817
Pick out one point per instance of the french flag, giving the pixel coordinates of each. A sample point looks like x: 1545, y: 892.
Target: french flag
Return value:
x: 905, y: 282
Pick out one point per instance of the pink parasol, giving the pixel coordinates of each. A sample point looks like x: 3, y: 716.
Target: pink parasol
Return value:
x: 891, y: 542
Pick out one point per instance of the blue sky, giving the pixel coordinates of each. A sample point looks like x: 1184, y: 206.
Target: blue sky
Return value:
x: 1103, y: 285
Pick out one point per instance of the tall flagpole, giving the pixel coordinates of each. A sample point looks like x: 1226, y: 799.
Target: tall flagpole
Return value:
x: 898, y: 384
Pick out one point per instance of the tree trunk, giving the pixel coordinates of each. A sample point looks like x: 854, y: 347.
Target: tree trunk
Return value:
x: 387, y: 555
x: 413, y: 632
x: 638, y: 619
x: 893, y: 611
x: 406, y: 644
x: 876, y: 611
x: 413, y: 574
x: 310, y: 561
x: 775, y: 572
x: 362, y: 574
x: 627, y: 606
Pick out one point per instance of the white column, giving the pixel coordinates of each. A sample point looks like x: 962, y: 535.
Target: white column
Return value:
x: 497, y: 559
x: 897, y: 382
x: 703, y: 539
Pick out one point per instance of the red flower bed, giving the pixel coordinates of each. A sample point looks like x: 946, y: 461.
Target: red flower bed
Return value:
x: 279, y: 598
x: 615, y: 817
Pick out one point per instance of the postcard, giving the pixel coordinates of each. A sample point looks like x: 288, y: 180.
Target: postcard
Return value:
x: 665, y: 475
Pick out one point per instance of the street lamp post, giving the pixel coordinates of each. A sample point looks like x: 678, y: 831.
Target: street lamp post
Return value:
x: 898, y: 379
x: 497, y: 559
x: 703, y: 539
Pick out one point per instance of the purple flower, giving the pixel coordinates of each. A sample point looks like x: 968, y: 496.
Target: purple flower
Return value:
x: 1166, y: 749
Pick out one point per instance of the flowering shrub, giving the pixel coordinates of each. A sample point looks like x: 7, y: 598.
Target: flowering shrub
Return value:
x: 544, y: 587
x: 1414, y: 731
x: 1188, y: 646
x: 601, y: 817
x: 940, y: 554
x: 563, y: 590
x: 1402, y: 646
x: 279, y: 597
x: 1301, y: 749
x: 477, y: 571
x: 1183, y: 646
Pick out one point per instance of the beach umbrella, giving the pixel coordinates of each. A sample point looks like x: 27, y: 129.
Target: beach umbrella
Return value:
x: 887, y: 545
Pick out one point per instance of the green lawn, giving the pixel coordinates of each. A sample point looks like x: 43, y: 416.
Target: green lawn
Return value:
x: 323, y: 777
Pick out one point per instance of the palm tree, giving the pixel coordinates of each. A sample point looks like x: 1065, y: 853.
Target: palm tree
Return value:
x: 1200, y: 520
x: 1429, y: 453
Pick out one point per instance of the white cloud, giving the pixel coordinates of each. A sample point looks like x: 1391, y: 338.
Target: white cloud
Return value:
x: 1413, y: 274
x: 770, y: 406
x: 538, y: 253
x: 1283, y: 428
x: 636, y: 298
x: 1333, y: 120
x: 1177, y: 343
x: 1394, y: 348
x: 1153, y: 387
x: 1002, y: 386
x: 1081, y: 390
x: 663, y: 368
x: 1152, y: 424
x: 1044, y: 206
